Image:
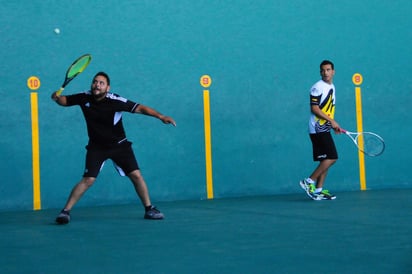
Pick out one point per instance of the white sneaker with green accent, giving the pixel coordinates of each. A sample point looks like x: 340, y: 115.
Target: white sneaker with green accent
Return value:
x: 310, y: 190
x: 325, y: 195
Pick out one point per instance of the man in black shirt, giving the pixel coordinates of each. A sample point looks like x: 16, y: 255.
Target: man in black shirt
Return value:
x: 107, y: 140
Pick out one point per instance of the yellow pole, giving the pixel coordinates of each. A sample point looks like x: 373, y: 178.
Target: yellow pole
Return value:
x: 34, y: 83
x: 357, y: 80
x: 205, y: 82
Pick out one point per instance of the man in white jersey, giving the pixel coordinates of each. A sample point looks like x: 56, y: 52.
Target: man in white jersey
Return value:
x: 102, y: 111
x: 322, y: 105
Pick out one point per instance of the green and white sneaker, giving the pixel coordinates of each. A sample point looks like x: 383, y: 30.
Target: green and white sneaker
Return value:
x: 310, y: 190
x: 325, y: 195
x: 304, y: 184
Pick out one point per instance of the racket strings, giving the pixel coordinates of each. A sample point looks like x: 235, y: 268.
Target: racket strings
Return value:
x: 79, y: 66
x: 372, y: 144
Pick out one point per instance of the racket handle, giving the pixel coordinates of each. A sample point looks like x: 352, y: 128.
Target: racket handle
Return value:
x: 59, y: 91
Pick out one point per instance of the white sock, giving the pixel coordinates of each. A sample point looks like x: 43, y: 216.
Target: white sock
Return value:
x: 310, y: 181
x: 318, y: 190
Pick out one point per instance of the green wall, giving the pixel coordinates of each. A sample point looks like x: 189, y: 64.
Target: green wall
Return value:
x: 263, y: 57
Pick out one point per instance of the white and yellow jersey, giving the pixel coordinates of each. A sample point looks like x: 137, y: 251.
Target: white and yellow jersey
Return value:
x: 323, y: 95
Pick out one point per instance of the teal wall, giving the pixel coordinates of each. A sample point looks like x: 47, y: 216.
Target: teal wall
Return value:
x: 263, y: 57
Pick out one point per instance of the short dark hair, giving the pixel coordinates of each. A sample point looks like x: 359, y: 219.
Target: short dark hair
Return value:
x: 105, y: 75
x: 327, y: 62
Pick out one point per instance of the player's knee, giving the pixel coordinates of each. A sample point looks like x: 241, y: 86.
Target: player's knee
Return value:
x: 135, y: 176
x: 88, y: 181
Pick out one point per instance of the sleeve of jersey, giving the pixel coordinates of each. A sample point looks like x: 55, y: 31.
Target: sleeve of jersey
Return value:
x: 315, y: 97
x: 121, y: 104
x: 128, y: 106
x: 74, y: 99
x: 135, y: 105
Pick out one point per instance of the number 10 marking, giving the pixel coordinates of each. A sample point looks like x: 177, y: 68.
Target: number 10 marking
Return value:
x: 33, y: 83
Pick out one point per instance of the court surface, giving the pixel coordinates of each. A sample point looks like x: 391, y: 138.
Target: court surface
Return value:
x: 359, y: 232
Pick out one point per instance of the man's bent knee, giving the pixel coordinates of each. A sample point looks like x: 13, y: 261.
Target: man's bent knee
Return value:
x: 135, y: 175
x: 88, y: 181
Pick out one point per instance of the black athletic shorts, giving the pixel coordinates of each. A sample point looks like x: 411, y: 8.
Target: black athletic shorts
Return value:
x: 122, y: 156
x: 323, y: 146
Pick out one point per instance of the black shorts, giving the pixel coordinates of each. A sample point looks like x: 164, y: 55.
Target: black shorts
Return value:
x: 323, y: 146
x: 122, y: 156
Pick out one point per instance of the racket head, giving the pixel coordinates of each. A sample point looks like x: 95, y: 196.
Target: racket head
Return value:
x: 78, y: 66
x: 369, y: 143
x: 373, y: 144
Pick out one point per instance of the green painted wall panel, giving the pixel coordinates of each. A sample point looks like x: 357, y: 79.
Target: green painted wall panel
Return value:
x: 263, y: 57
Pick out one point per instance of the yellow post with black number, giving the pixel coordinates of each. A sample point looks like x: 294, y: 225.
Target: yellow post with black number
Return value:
x: 205, y: 82
x: 34, y: 84
x: 357, y: 79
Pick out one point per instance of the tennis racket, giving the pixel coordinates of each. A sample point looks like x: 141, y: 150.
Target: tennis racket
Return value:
x: 368, y: 142
x: 75, y: 69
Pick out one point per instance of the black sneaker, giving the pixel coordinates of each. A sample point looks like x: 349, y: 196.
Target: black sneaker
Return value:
x: 153, y: 214
x: 63, y: 218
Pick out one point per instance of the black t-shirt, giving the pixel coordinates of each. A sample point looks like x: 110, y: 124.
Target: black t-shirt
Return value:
x: 104, y: 117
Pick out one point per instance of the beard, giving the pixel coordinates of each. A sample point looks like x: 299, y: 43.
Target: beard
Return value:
x: 99, y: 96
